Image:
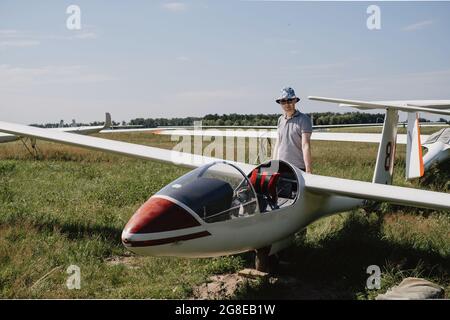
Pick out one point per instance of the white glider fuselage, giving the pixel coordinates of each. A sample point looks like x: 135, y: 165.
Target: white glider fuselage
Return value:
x: 233, y: 235
x: 438, y: 145
x: 4, y: 137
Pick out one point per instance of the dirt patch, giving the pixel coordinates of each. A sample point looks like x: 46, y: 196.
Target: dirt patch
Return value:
x: 284, y: 287
x: 128, y: 261
x: 219, y: 287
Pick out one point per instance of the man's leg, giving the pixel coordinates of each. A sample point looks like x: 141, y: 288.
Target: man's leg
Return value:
x: 264, y: 262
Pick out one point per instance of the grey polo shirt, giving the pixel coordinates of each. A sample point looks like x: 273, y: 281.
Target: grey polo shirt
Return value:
x: 290, y: 138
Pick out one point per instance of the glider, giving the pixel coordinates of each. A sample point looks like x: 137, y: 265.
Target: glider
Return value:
x: 223, y: 208
x: 415, y: 162
x: 5, y: 137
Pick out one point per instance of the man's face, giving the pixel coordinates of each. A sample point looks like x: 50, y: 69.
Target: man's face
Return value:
x: 288, y: 105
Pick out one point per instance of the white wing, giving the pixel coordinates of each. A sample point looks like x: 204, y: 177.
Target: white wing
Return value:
x: 321, y: 136
x: 430, y: 106
x: 154, y: 130
x: 117, y: 147
x: 379, y: 192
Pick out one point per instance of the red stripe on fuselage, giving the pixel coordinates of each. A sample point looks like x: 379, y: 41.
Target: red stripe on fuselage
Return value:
x: 157, y: 242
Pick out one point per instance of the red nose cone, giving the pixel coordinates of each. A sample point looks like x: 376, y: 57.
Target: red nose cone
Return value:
x: 159, y: 215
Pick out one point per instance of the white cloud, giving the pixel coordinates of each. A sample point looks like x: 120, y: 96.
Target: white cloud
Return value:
x: 174, y: 6
x: 17, y: 38
x: 13, y: 77
x: 86, y: 35
x: 419, y: 25
x: 214, y: 94
x: 19, y: 43
x: 183, y: 59
x: 73, y: 35
x: 319, y: 67
x: 7, y: 32
x: 278, y: 41
x: 320, y: 70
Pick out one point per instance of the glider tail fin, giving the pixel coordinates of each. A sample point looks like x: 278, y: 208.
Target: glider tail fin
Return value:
x: 414, y: 158
x: 384, y: 167
x: 107, y: 121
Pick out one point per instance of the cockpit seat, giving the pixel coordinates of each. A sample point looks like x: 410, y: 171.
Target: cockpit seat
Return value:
x: 265, y: 185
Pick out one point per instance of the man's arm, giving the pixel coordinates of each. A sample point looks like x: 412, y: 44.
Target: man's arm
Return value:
x: 306, y: 148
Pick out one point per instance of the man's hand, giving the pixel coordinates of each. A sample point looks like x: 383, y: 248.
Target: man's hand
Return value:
x: 306, y: 148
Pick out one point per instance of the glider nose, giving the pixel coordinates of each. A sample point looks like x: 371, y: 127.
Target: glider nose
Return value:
x: 154, y: 216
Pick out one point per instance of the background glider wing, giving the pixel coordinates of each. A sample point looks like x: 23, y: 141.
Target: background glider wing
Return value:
x: 6, y: 137
x: 430, y: 106
x: 116, y: 147
x: 88, y: 129
x: 272, y: 134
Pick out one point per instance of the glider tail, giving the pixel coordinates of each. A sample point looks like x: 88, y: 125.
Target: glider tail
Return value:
x: 414, y: 158
x: 415, y: 162
x: 108, y: 123
x: 384, y: 167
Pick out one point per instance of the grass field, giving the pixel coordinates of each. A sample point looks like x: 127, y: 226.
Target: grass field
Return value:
x: 69, y: 208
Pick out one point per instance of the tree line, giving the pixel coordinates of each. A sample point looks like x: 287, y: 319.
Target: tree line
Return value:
x: 234, y: 119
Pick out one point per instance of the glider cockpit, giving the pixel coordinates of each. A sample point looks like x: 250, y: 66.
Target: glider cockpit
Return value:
x: 220, y: 191
x: 215, y: 192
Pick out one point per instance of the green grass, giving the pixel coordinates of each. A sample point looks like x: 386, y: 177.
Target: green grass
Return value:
x: 70, y: 206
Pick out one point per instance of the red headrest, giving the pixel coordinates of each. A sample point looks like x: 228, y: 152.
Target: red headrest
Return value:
x: 265, y: 182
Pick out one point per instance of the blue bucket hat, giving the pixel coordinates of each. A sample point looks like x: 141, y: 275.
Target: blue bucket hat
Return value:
x: 287, y: 94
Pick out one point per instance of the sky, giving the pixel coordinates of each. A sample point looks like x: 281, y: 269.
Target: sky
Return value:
x: 190, y: 58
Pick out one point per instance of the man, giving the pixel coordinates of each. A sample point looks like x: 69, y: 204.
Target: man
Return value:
x: 294, y: 146
x: 294, y: 133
